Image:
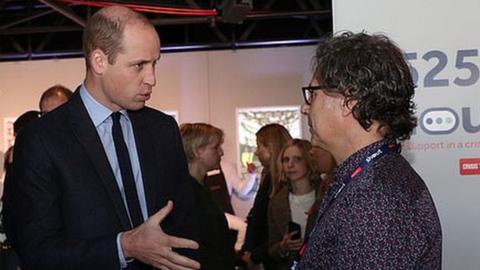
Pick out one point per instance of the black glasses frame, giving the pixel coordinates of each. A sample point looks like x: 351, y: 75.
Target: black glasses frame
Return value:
x: 308, y: 92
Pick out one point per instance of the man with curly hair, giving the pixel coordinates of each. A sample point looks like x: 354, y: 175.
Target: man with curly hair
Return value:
x: 378, y: 213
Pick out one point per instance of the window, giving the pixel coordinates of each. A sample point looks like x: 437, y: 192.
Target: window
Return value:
x: 250, y: 120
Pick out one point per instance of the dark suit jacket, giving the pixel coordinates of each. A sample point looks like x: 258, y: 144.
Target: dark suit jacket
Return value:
x: 63, y: 208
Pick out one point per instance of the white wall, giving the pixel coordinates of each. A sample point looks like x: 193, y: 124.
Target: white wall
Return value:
x: 201, y: 86
x: 448, y: 27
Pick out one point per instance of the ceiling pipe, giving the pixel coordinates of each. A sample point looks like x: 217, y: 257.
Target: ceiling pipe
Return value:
x: 171, y: 21
x: 276, y: 15
x: 40, y: 14
x: 171, y: 49
x: 65, y: 11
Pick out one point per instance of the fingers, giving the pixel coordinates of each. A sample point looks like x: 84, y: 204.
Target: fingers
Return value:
x: 291, y: 234
x: 295, y: 245
x: 175, y: 261
x: 162, y: 213
x: 177, y: 242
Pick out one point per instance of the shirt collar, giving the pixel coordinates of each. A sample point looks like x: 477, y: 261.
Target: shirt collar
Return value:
x: 347, y: 167
x: 97, y: 112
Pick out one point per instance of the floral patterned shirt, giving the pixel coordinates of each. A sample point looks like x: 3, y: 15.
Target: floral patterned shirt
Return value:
x: 384, y: 218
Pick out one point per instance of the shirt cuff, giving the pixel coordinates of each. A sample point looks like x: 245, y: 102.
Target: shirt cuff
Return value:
x: 121, y: 257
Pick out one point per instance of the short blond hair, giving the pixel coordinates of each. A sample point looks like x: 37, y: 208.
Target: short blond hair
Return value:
x: 198, y: 135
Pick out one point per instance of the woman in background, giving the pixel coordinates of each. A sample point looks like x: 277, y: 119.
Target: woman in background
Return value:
x: 325, y: 164
x: 306, y: 171
x: 203, y: 148
x: 270, y: 140
x: 289, y: 209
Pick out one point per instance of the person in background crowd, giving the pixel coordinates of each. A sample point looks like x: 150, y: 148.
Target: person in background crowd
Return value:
x: 99, y: 176
x: 22, y: 121
x: 53, y: 97
x: 203, y: 148
x: 270, y: 140
x: 325, y: 164
x: 220, y: 192
x: 244, y: 189
x: 8, y: 257
x: 225, y: 183
x: 290, y: 208
x: 2, y: 159
x: 378, y: 212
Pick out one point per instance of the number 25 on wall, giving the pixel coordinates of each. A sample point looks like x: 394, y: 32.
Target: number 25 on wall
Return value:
x: 463, y: 61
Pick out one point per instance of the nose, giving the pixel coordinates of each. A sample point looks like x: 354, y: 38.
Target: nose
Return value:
x: 305, y: 109
x: 290, y: 163
x: 220, y: 152
x: 256, y: 152
x: 150, y: 77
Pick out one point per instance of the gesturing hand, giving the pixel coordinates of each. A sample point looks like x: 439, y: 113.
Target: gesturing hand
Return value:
x: 149, y: 244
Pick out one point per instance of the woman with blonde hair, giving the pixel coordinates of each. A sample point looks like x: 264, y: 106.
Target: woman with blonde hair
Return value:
x: 270, y: 140
x: 202, y: 144
x: 289, y: 208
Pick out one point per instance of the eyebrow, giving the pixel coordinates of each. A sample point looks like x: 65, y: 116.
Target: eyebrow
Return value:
x: 144, y: 61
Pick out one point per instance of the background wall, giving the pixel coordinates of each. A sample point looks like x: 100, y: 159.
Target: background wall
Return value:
x: 201, y: 86
x: 440, y: 37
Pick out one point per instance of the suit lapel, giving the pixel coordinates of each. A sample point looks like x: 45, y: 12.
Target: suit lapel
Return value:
x: 147, y: 157
x: 85, y: 132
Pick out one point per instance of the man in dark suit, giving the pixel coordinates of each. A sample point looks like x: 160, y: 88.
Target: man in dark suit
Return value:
x: 81, y: 195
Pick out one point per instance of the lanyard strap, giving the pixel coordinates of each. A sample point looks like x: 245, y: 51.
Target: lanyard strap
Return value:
x: 381, y: 151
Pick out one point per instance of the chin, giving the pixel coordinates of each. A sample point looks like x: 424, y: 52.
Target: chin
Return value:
x: 136, y: 106
x: 291, y: 177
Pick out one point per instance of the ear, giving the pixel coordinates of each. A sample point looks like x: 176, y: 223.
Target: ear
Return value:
x: 98, y: 61
x: 197, y: 152
x: 347, y: 106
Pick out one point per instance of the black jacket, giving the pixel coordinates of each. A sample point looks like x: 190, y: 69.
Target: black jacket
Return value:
x: 256, y: 237
x: 63, y: 208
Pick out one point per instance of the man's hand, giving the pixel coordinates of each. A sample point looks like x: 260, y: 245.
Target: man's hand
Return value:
x: 149, y: 244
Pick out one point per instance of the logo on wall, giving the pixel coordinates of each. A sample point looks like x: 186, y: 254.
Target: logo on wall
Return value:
x: 469, y: 166
x: 443, y: 120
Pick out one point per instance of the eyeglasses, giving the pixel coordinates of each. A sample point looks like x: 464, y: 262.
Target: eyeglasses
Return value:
x: 308, y: 92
